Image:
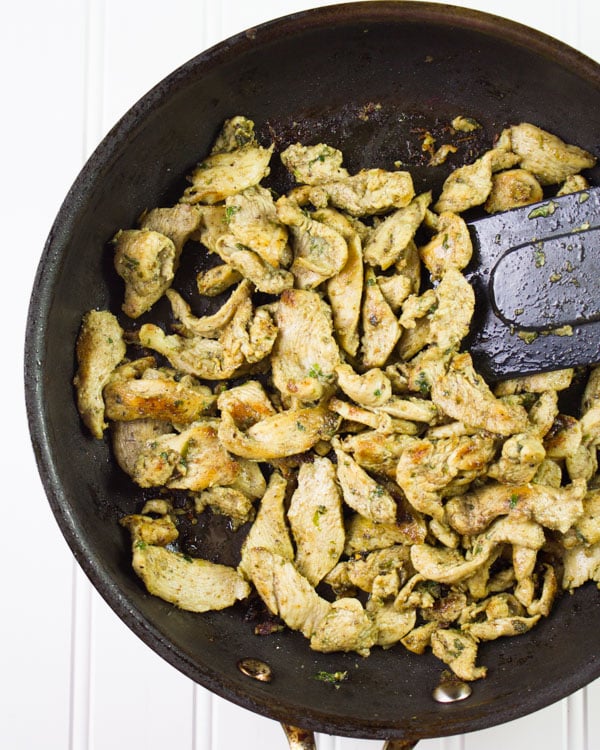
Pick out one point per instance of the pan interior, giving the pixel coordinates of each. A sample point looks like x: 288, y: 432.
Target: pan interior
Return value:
x: 368, y: 78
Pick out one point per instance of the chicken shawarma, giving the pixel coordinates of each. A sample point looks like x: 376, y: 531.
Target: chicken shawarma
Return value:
x: 384, y: 494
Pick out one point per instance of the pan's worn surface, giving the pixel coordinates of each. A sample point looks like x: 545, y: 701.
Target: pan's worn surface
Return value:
x: 380, y: 75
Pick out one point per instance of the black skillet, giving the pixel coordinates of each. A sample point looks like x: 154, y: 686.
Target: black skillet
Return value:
x: 369, y: 78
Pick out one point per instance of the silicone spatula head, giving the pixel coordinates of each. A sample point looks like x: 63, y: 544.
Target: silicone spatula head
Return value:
x: 536, y: 276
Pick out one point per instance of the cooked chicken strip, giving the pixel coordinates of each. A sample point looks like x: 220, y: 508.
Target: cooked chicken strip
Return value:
x: 362, y: 493
x: 265, y: 277
x: 471, y: 184
x: 252, y: 219
x: 217, y: 280
x: 100, y: 348
x: 320, y: 251
x: 345, y: 627
x: 395, y: 289
x: 209, y: 326
x: 590, y: 410
x: 557, y: 380
x: 364, y: 535
x: 372, y: 388
x: 305, y: 353
x: 511, y: 189
x: 247, y: 404
x: 344, y: 290
x: 210, y: 359
x: 285, y: 592
x: 390, y: 238
x: 129, y: 439
x: 564, y: 437
x: 226, y: 501
x: 381, y: 329
x: 459, y: 651
x: 315, y: 516
x: 463, y: 395
x: 455, y: 305
x: 554, y: 508
x: 450, y: 247
x: 573, y: 184
x: 285, y: 434
x: 145, y: 260
x: 377, y: 451
x: 223, y: 174
x: 361, y: 572
x: 177, y: 223
x: 521, y: 457
x: 157, y: 395
x: 311, y: 165
x: 190, y: 583
x: 269, y: 530
x: 371, y: 191
x: 193, y: 459
x: 236, y: 132
x: 582, y: 563
x: 391, y: 624
x: 546, y: 156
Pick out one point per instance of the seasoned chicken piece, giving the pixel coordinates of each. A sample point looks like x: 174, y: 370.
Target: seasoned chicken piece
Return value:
x: 543, y: 413
x: 426, y: 467
x: 190, y: 583
x: 362, y: 493
x: 450, y: 247
x: 252, y: 218
x: 210, y: 326
x: 344, y: 289
x: 395, y: 289
x: 412, y: 409
x: 359, y: 415
x: 250, y: 479
x: 262, y: 334
x: 377, y: 451
x: 521, y: 457
x: 129, y: 438
x: 320, y: 251
x: 459, y: 651
x: 285, y: 592
x: 463, y: 395
x: 564, y: 437
x: 305, y: 353
x: 177, y: 223
x: 447, y: 565
x: 236, y: 132
x: 546, y: 156
x: 315, y: 516
x: 146, y: 262
x: 416, y: 307
x: 557, y: 380
x: 455, y: 305
x: 311, y: 165
x: 471, y: 184
x: 583, y: 464
x: 216, y: 280
x: 554, y: 508
x: 226, y: 173
x: 269, y: 530
x: 265, y: 277
x: 511, y: 189
x: 496, y: 625
x: 157, y: 394
x: 586, y: 529
x: 582, y: 563
x: 193, y: 459
x: 247, y: 404
x: 573, y: 184
x: 445, y: 608
x: 419, y: 638
x: 100, y: 348
x: 285, y: 434
x: 548, y: 474
x: 390, y: 238
x: 381, y: 329
x: 361, y: 572
x: 391, y: 624
x: 202, y: 357
x: 145, y: 529
x: 226, y: 501
x: 372, y: 388
x: 590, y: 410
x: 371, y: 191
x: 414, y: 340
x: 364, y: 535
x: 345, y: 627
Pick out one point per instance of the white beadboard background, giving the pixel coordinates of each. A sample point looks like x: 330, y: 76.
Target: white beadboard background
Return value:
x: 72, y: 676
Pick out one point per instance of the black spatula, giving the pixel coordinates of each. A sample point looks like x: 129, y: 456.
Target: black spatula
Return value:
x: 536, y: 276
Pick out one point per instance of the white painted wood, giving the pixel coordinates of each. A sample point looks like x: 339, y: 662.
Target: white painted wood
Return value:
x: 73, y: 676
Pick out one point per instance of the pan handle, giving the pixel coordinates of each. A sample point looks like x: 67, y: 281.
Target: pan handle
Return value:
x: 304, y: 739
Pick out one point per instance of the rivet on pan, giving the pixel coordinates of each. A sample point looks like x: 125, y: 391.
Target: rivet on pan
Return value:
x: 255, y: 668
x: 452, y: 690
